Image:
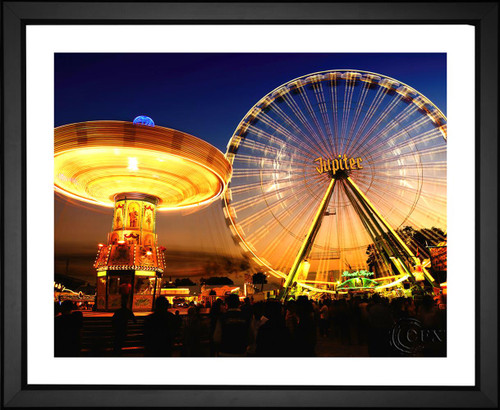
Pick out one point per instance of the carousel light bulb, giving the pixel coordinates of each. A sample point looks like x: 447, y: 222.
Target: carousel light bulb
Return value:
x: 132, y: 164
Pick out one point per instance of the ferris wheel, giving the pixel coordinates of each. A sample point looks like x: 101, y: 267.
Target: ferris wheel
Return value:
x: 332, y: 166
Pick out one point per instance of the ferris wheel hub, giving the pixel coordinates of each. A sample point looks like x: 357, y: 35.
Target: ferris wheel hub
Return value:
x: 340, y: 174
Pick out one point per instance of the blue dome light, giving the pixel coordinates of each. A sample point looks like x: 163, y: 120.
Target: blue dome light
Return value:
x: 143, y: 120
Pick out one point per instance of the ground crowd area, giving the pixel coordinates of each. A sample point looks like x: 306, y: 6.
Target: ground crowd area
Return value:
x: 359, y: 327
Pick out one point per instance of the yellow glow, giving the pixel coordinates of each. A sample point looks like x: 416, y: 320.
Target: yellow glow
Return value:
x: 323, y: 282
x: 175, y: 291
x: 101, y: 273
x: 399, y: 266
x: 389, y: 285
x: 389, y: 277
x: 315, y: 289
x: 304, y: 270
x: 145, y: 273
x: 179, y: 169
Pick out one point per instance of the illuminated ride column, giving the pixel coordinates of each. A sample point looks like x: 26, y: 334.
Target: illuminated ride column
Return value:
x: 137, y: 168
x: 130, y: 266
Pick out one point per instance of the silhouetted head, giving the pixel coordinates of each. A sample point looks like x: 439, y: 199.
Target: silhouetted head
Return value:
x: 304, y: 306
x: 162, y: 304
x: 272, y: 309
x: 258, y: 309
x: 427, y: 301
x: 233, y: 301
x: 66, y: 307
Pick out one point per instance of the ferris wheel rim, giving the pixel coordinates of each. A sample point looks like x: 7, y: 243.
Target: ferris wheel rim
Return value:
x: 427, y: 100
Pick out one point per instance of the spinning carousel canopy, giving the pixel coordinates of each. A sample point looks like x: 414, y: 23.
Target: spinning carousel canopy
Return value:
x: 96, y: 160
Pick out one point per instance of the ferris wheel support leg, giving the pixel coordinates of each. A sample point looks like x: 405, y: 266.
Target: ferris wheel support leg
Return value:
x: 308, y: 241
x: 380, y: 238
x: 393, y: 233
x: 373, y: 229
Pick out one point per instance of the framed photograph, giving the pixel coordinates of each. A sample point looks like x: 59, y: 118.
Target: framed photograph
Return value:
x: 218, y: 203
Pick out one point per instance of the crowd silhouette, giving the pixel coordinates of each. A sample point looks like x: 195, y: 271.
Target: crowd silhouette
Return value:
x: 298, y: 328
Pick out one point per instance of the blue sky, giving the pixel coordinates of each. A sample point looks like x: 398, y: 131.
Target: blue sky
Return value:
x: 207, y: 94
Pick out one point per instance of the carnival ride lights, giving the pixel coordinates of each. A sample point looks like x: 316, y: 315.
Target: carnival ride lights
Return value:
x: 144, y: 120
x: 137, y: 169
x: 331, y: 163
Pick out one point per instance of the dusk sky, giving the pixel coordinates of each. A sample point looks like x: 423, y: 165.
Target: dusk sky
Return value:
x: 203, y: 94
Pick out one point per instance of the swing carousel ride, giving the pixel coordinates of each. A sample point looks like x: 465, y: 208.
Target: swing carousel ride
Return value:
x: 137, y: 168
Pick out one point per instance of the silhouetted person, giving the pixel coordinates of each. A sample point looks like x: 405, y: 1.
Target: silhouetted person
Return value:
x: 120, y: 322
x: 159, y: 330
x: 67, y: 331
x: 233, y: 331
x: 433, y: 322
x: 291, y: 318
x: 363, y: 321
x: 178, y: 326
x: 258, y: 315
x: 273, y: 337
x: 323, y: 319
x: 343, y: 322
x: 304, y: 343
x: 215, y: 313
x: 380, y: 324
x: 246, y: 308
x: 125, y: 292
x: 191, y: 343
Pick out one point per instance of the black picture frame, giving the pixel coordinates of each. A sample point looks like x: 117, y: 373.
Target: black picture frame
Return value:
x: 16, y: 16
